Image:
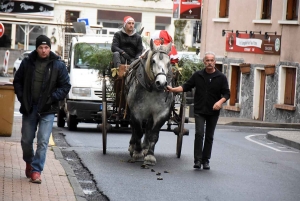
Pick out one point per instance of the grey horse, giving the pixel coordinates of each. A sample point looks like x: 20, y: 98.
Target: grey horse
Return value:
x: 149, y: 104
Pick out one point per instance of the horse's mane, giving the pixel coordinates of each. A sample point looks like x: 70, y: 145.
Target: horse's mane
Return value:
x: 148, y: 65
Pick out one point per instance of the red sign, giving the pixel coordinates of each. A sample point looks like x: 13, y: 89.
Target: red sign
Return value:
x: 1, y: 29
x: 176, y: 9
x: 258, y: 44
x: 187, y: 9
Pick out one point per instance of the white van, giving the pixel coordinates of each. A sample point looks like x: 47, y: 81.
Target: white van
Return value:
x: 84, y: 100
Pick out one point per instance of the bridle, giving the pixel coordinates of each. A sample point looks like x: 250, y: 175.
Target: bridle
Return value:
x: 161, y: 52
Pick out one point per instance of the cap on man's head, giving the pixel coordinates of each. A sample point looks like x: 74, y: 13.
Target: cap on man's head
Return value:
x: 127, y: 19
x: 42, y: 40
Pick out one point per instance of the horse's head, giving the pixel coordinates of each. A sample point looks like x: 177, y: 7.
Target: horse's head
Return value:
x: 158, y: 64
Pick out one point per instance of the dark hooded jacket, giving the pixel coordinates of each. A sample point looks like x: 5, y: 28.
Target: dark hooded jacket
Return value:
x: 207, y: 94
x: 130, y: 44
x: 55, y: 86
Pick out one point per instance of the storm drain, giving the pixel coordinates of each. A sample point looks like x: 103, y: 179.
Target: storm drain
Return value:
x: 83, y: 175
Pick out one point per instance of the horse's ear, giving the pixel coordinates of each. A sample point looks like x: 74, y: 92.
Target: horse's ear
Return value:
x: 169, y: 47
x: 151, y: 44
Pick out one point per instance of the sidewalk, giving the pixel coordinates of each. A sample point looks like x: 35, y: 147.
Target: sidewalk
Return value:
x: 58, y: 179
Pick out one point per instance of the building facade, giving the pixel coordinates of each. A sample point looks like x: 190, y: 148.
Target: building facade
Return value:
x: 263, y: 38
x: 24, y: 20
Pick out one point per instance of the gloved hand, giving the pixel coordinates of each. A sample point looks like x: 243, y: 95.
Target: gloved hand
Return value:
x: 126, y: 56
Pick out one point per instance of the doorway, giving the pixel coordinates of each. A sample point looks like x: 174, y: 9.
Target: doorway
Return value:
x: 259, y: 94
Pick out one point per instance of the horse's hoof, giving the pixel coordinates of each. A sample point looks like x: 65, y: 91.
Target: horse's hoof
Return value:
x: 138, y: 156
x: 131, y: 149
x: 144, y: 166
x: 149, y: 160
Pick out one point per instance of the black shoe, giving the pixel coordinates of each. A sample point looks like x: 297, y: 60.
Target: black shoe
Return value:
x: 206, y: 166
x: 197, y: 164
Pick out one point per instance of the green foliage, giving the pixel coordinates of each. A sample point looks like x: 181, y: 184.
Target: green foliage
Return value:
x: 186, y: 67
x: 97, y: 57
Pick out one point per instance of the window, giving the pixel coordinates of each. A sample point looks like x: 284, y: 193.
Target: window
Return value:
x: 287, y: 84
x: 219, y: 67
x: 234, y: 85
x: 71, y: 16
x: 5, y: 40
x: 292, y: 9
x: 161, y: 22
x: 266, y: 9
x: 160, y: 27
x: 224, y: 9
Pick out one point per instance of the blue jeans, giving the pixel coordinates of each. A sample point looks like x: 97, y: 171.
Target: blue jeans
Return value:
x: 203, y: 153
x: 29, y: 127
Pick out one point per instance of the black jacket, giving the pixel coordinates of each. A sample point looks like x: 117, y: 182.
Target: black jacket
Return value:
x: 207, y: 94
x: 55, y: 87
x: 131, y: 45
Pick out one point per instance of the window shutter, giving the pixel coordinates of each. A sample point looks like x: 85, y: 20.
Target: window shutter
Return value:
x: 289, y: 10
x: 233, y: 85
x: 289, y: 93
x: 222, y: 11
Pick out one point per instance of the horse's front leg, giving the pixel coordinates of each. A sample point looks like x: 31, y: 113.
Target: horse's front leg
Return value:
x: 135, y: 147
x: 152, y: 135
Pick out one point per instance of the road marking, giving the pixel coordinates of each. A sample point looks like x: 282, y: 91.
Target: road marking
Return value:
x: 249, y: 138
x: 17, y: 114
x: 51, y: 141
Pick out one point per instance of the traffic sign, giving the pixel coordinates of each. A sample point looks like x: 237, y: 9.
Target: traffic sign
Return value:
x: 1, y: 29
x: 85, y: 20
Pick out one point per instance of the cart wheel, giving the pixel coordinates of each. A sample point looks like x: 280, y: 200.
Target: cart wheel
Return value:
x: 179, y: 145
x: 61, y: 118
x: 72, y: 122
x: 104, y: 127
x: 181, y: 126
x: 104, y: 116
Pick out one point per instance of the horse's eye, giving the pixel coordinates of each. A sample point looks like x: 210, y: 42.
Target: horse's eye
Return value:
x: 153, y: 61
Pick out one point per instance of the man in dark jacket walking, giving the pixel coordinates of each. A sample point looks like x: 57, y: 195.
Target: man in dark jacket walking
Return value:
x: 40, y: 82
x: 127, y: 44
x: 211, y: 92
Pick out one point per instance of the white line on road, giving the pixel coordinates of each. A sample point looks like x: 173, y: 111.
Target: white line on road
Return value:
x: 17, y: 114
x: 249, y: 138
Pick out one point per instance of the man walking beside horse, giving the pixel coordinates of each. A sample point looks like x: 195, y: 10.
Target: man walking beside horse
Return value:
x: 211, y: 92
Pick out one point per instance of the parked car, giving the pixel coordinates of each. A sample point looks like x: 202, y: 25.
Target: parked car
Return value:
x: 19, y: 60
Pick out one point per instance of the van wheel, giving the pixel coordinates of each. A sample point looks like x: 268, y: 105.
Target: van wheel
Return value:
x: 61, y: 118
x: 72, y: 122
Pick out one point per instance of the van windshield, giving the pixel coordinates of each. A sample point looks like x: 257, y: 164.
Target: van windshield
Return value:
x: 82, y: 50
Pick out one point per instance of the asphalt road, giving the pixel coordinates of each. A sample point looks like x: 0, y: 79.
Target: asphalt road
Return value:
x: 244, y: 166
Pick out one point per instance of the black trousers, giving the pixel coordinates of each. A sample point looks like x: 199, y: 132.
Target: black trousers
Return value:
x: 118, y: 59
x: 203, y: 153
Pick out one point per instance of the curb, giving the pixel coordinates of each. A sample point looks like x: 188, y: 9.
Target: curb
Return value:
x: 283, y: 141
x: 80, y: 196
x: 264, y: 124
